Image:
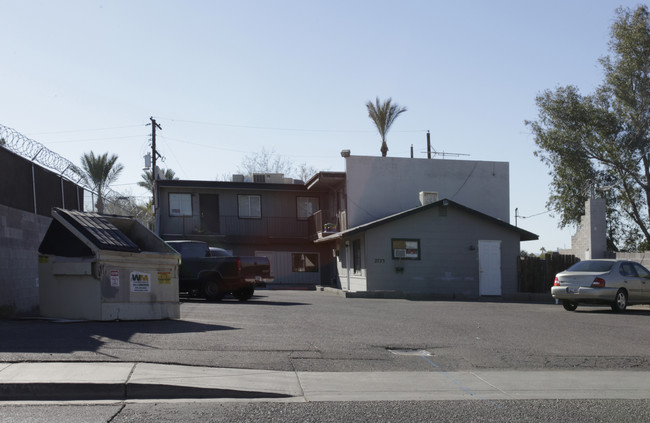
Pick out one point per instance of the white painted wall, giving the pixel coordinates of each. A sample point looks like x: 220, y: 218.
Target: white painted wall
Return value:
x: 381, y: 186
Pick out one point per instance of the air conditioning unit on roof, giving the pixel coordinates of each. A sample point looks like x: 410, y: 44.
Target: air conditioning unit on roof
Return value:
x: 268, y: 178
x: 428, y: 197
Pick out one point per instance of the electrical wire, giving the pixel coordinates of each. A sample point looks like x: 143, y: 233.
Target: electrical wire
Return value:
x: 533, y: 215
x: 85, y: 130
x: 96, y: 139
x: 269, y: 128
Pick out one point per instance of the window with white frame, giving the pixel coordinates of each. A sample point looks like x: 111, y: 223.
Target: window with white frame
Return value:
x: 180, y: 204
x: 405, y: 249
x: 304, y: 262
x: 250, y: 206
x: 306, y: 206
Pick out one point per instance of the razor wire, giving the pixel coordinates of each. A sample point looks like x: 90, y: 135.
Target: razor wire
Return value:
x: 36, y: 152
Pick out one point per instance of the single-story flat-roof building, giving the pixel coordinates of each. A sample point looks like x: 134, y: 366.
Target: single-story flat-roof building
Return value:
x: 442, y: 248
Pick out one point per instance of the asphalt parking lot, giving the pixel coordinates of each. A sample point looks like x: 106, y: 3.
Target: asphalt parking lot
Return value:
x: 319, y: 331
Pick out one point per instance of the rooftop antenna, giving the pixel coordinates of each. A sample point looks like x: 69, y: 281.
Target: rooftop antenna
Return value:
x: 437, y: 153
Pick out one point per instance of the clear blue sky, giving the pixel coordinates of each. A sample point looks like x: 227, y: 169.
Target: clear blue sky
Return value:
x: 225, y: 79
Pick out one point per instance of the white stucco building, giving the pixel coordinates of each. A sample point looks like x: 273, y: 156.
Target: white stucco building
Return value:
x: 380, y: 186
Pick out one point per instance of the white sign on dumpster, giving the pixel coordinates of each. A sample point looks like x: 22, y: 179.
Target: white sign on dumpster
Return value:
x: 140, y: 282
x: 115, y: 278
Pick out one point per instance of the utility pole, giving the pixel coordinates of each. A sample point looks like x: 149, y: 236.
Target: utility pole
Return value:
x: 516, y: 215
x: 154, y: 153
x: 428, y: 145
x: 154, y: 170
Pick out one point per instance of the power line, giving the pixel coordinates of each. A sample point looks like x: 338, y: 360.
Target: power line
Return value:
x: 70, y: 131
x: 536, y: 214
x: 93, y: 139
x: 517, y: 215
x: 270, y: 128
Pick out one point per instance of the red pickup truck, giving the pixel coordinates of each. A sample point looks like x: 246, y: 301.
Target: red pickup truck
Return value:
x: 213, y: 273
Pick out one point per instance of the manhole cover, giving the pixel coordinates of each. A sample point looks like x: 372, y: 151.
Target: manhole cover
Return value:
x: 410, y: 351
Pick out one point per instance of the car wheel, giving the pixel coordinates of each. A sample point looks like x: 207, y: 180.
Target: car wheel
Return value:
x: 620, y: 301
x: 569, y: 305
x: 212, y: 291
x: 244, y: 294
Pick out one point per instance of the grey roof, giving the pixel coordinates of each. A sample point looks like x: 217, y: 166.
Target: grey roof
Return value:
x: 524, y: 235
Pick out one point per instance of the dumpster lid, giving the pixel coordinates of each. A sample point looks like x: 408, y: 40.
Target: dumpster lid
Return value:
x: 96, y: 229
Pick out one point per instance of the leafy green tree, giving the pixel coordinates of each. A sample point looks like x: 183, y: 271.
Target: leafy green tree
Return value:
x: 383, y: 115
x: 99, y: 172
x: 600, y: 143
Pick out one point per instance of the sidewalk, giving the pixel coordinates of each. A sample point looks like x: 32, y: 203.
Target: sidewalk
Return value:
x: 64, y: 381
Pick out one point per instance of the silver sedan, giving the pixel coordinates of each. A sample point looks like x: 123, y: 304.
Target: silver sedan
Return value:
x: 615, y: 282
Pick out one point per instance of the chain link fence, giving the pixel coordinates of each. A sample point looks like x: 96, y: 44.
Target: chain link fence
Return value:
x: 115, y: 203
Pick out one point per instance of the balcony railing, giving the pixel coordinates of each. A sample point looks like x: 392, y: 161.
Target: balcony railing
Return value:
x: 322, y: 224
x: 267, y: 227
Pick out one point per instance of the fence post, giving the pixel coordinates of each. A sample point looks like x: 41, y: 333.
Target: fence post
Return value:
x: 34, y: 188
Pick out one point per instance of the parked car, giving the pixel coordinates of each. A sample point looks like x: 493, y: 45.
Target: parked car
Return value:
x: 618, y: 283
x: 215, y: 274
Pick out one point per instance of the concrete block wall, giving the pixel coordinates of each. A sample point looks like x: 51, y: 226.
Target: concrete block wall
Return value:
x: 21, y: 233
x: 590, y: 240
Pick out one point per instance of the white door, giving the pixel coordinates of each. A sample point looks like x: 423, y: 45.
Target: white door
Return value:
x: 489, y: 267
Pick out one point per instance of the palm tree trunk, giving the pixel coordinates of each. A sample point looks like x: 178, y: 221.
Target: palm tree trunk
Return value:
x: 384, y: 148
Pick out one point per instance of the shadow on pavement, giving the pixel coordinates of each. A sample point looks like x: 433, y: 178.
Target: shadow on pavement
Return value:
x: 255, y: 300
x: 120, y: 391
x: 64, y: 336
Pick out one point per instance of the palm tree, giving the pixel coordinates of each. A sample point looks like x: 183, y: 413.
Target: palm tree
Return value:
x: 147, y: 183
x: 147, y: 179
x: 384, y: 114
x: 99, y: 172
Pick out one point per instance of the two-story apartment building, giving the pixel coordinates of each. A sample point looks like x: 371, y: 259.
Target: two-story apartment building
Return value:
x: 272, y: 216
x: 400, y: 224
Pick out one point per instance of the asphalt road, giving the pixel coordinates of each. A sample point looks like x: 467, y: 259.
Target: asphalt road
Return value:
x: 402, y: 411
x: 318, y: 331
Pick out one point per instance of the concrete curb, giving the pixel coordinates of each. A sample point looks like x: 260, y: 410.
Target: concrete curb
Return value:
x: 393, y: 294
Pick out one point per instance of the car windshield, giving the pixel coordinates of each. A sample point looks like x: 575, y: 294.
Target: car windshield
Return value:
x: 591, y: 266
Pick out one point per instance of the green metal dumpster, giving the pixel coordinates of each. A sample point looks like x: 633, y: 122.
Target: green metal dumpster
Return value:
x: 100, y: 267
